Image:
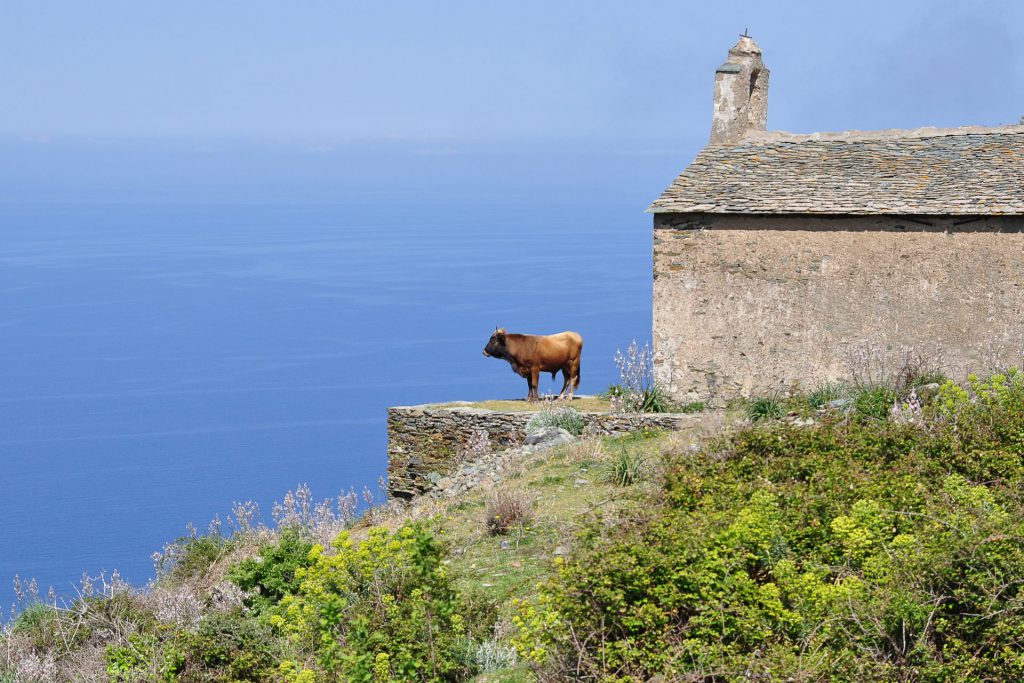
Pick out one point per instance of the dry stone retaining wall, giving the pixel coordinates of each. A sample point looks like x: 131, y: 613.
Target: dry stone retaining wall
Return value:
x: 426, y: 443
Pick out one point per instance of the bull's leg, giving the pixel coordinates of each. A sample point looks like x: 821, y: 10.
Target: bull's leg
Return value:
x: 565, y: 384
x: 534, y: 383
x: 574, y: 377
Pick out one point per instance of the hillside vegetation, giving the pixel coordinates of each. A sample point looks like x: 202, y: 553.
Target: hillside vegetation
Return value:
x: 843, y: 535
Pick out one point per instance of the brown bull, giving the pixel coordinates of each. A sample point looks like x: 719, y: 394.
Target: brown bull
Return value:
x: 531, y: 354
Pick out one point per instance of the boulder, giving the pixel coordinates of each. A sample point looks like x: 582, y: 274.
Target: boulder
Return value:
x: 549, y: 437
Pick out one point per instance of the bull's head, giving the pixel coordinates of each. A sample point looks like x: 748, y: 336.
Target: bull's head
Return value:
x: 496, y: 344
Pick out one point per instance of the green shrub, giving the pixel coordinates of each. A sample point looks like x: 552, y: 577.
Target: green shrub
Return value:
x: 874, y: 402
x: 38, y: 622
x: 765, y: 408
x: 567, y: 418
x: 225, y: 646
x: 381, y: 609
x: 862, y: 550
x: 272, y: 576
x: 133, y: 660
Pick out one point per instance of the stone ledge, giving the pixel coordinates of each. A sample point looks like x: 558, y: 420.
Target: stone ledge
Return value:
x: 427, y: 442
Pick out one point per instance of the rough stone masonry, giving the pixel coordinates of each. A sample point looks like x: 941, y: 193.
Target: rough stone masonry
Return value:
x: 777, y: 255
x: 427, y: 443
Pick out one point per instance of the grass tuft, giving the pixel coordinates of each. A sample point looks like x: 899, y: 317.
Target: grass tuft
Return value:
x: 567, y: 418
x: 765, y: 408
x: 826, y: 393
x: 874, y: 402
x: 626, y: 468
x: 507, y: 510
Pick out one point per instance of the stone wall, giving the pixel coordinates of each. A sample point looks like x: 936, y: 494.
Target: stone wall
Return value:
x: 750, y: 304
x: 426, y: 443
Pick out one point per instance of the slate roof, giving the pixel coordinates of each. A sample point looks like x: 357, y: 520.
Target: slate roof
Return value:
x: 929, y: 171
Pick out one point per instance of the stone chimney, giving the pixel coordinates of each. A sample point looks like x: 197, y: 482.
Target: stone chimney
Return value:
x: 741, y: 94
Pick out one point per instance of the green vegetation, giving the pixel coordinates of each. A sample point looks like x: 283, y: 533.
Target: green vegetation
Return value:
x: 765, y: 408
x: 224, y: 646
x: 637, y: 391
x: 856, y: 550
x: 649, y: 400
x: 827, y: 393
x: 192, y: 556
x: 381, y: 609
x: 874, y: 401
x: 566, y: 418
x: 876, y: 539
x: 274, y: 572
x: 626, y: 467
x: 509, y: 510
x: 584, y: 404
x: 693, y: 407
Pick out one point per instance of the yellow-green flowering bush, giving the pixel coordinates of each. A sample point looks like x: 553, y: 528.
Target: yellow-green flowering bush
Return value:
x: 381, y: 609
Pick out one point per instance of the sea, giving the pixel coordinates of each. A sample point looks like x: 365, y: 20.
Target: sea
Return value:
x: 170, y: 348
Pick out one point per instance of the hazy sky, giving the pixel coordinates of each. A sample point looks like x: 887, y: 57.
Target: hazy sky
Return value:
x: 488, y: 70
x: 445, y: 76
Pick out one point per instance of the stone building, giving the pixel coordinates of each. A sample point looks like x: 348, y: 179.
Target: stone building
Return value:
x: 777, y: 256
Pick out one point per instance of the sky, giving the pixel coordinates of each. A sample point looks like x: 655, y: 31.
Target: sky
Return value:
x: 106, y: 97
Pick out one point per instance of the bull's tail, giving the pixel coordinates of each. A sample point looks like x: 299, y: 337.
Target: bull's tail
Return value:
x: 576, y: 384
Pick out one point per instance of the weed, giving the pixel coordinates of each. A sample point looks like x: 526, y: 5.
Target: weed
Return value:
x: 583, y: 450
x: 492, y: 655
x: 468, y: 505
x: 916, y: 370
x: 638, y: 392
x: 35, y: 618
x: 322, y: 520
x: 613, y: 391
x: 506, y: 510
x: 478, y: 445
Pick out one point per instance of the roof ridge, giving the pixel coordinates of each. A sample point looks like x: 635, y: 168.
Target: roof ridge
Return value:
x: 884, y: 134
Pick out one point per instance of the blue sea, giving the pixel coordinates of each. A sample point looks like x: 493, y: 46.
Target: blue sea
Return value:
x: 165, y: 354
